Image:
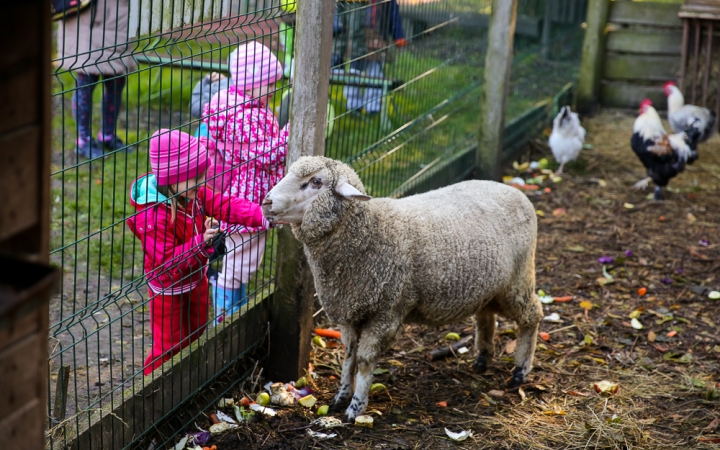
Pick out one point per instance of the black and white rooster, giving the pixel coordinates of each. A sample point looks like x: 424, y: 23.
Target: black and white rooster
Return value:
x: 664, y: 156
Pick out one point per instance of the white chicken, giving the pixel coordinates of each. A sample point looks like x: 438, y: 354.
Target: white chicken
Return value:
x: 567, y: 137
x: 681, y: 115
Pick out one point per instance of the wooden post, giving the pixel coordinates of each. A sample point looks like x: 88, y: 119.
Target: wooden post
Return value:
x: 588, y: 92
x: 291, y: 311
x: 61, y: 392
x: 547, y: 28
x: 495, y: 88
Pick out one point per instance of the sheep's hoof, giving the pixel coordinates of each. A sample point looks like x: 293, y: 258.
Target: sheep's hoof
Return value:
x: 339, y: 405
x: 517, y: 378
x: 480, y: 365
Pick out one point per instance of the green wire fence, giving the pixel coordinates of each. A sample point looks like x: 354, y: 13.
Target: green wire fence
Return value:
x: 403, y: 111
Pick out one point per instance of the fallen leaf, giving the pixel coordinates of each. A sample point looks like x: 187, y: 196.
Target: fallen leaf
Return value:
x: 559, y: 212
x: 522, y: 394
x: 714, y: 424
x: 636, y: 324
x: 651, y: 336
x: 488, y: 399
x: 510, y: 347
x: 691, y: 218
x: 555, y: 412
x: 635, y: 314
x: 577, y: 393
x: 496, y: 393
x: 575, y: 249
x: 628, y: 205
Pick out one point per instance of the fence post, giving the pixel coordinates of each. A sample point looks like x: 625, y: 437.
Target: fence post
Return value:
x: 495, y: 88
x: 291, y: 311
x: 592, y: 55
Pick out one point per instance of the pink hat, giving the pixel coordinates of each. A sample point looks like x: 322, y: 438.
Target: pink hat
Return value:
x: 176, y: 156
x: 253, y: 65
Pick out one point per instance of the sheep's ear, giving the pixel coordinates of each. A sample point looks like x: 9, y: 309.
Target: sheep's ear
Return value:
x: 346, y: 190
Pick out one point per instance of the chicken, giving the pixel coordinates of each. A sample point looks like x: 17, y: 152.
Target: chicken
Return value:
x: 567, y: 137
x: 664, y: 156
x: 681, y: 115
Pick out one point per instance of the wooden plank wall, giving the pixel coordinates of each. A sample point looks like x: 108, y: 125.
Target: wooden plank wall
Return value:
x: 642, y: 52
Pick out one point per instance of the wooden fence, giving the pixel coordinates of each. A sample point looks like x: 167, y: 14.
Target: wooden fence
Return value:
x: 636, y: 50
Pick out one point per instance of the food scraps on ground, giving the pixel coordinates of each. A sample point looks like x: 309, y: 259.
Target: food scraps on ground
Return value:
x: 221, y: 427
x: 714, y: 295
x: 606, y: 387
x: 323, y: 410
x: 280, y: 395
x: 263, y: 399
x: 318, y: 435
x: 452, y: 337
x: 328, y: 422
x: 308, y: 401
x: 364, y: 421
x: 565, y: 299
x: 554, y: 317
x: 642, y: 291
x: 301, y: 382
x: 442, y: 404
x: 544, y: 336
x: 224, y: 417
x: 263, y: 410
x: 226, y: 402
x: 319, y: 342
x: 327, y: 333
x: 377, y: 387
x: 458, y: 437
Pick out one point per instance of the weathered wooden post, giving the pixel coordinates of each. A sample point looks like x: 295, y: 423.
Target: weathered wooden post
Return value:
x: 495, y: 88
x: 588, y: 93
x: 291, y: 310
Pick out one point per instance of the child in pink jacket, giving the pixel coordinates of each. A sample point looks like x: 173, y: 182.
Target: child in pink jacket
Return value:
x: 250, y: 160
x: 176, y: 235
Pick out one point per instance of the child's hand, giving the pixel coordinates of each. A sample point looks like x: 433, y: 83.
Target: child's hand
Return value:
x: 215, y: 76
x: 212, y: 227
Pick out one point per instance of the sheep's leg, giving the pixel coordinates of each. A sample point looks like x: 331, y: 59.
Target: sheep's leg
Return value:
x: 375, y: 338
x: 528, y: 323
x: 349, y: 338
x: 484, y: 340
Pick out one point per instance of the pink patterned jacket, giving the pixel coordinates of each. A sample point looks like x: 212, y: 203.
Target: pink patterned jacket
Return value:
x: 249, y: 140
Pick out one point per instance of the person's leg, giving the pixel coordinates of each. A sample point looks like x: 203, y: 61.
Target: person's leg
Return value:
x: 228, y: 284
x: 167, y: 329
x: 197, y: 312
x: 113, y: 86
x: 373, y: 96
x: 82, y: 112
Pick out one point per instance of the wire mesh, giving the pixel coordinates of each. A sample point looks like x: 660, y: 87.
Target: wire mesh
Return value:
x: 404, y: 102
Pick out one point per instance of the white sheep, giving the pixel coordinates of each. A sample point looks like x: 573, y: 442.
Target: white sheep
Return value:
x: 434, y: 258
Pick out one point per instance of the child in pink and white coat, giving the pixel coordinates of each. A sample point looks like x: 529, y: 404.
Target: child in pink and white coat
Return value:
x: 250, y: 159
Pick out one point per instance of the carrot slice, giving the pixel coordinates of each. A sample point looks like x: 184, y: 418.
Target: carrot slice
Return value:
x: 563, y: 299
x: 323, y: 332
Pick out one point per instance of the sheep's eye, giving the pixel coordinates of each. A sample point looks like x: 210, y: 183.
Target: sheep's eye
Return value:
x: 316, y: 183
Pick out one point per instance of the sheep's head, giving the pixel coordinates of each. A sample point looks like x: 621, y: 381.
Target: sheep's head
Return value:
x: 312, y: 180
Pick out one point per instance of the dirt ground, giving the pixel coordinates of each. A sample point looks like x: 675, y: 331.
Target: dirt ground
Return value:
x: 667, y: 372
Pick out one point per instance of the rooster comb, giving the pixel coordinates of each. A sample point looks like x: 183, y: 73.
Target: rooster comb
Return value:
x: 668, y: 84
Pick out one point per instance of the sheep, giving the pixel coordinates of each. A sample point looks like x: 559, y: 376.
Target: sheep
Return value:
x: 434, y: 258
